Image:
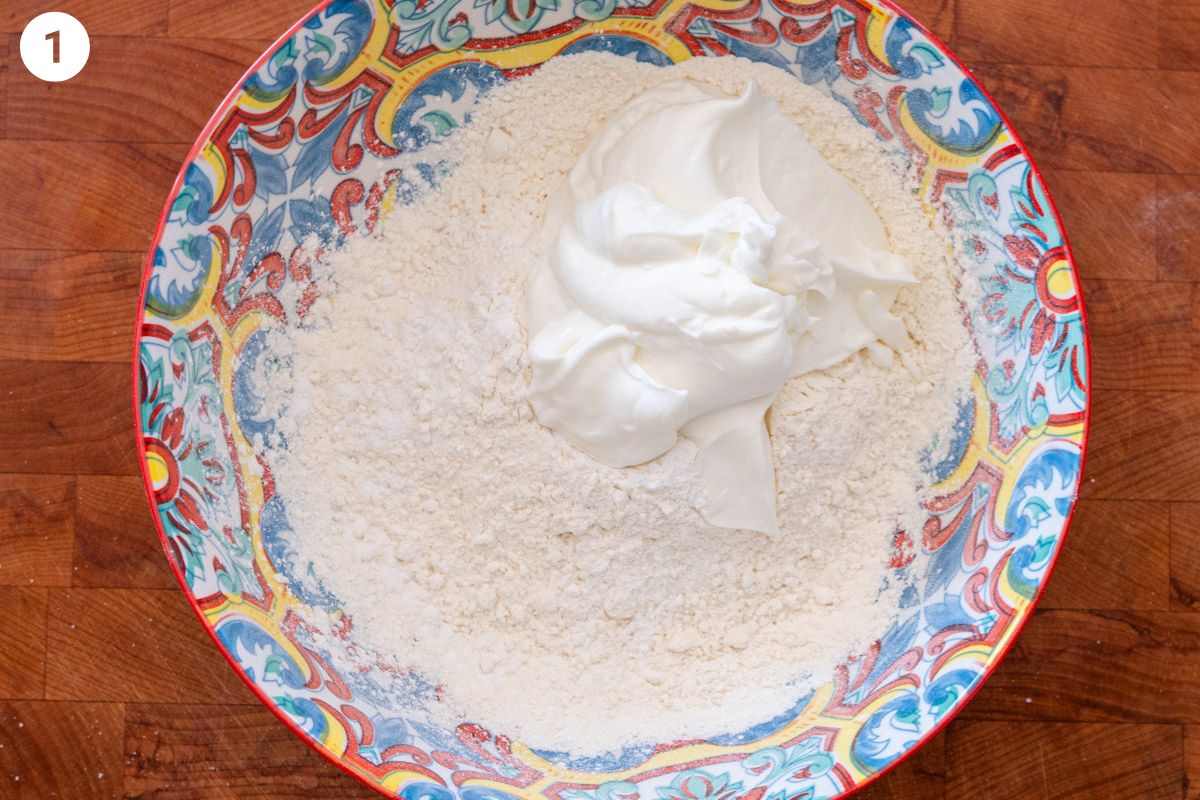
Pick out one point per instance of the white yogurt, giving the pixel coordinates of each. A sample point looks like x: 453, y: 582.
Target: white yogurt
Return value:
x: 700, y: 253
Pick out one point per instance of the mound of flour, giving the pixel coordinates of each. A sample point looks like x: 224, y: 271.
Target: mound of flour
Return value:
x: 572, y: 605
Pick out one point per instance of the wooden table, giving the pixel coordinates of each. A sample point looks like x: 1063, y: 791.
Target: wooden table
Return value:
x: 108, y: 686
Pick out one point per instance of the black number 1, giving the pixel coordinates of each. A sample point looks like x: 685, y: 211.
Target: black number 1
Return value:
x: 53, y: 36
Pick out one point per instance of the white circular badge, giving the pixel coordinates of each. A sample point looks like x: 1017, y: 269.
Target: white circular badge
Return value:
x: 54, y: 46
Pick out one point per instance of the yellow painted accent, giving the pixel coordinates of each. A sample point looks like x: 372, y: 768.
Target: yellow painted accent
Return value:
x: 553, y: 774
x: 336, y: 739
x: 1060, y: 282
x: 156, y: 467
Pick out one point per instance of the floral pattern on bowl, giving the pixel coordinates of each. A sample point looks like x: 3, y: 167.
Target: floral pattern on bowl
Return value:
x: 303, y: 145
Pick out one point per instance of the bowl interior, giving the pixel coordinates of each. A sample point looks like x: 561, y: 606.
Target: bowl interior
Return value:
x: 300, y: 147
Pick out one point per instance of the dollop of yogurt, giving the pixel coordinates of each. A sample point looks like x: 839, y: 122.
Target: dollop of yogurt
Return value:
x: 700, y: 253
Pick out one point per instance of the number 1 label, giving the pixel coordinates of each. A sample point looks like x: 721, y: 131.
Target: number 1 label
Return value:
x: 55, y: 46
x: 54, y: 36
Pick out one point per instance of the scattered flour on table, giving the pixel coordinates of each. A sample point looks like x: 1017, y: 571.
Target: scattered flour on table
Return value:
x: 576, y: 606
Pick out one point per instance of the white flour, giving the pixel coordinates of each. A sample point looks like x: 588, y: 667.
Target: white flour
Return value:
x: 572, y: 605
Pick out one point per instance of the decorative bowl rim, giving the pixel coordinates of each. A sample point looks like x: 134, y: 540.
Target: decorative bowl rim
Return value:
x: 214, y: 121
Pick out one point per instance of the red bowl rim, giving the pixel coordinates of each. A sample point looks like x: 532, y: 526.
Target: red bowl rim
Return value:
x: 262, y: 696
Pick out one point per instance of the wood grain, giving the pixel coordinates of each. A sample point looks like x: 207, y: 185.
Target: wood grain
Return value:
x: 1185, y: 555
x: 1127, y: 127
x: 4, y: 70
x: 66, y: 306
x: 1100, y: 33
x: 116, y: 545
x: 1136, y: 535
x: 206, y: 18
x: 1179, y: 34
x: 100, y: 17
x: 1064, y: 761
x: 1133, y: 351
x: 107, y: 196
x: 70, y: 751
x: 37, y: 517
x: 1144, y: 446
x: 60, y: 416
x: 109, y: 688
x: 139, y: 644
x: 190, y: 752
x: 1098, y: 666
x: 126, y: 73
x: 1191, y: 762
x: 23, y: 656
x: 1110, y: 217
x: 1176, y: 233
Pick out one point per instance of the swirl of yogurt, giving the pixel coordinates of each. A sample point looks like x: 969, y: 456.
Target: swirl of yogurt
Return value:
x: 700, y: 253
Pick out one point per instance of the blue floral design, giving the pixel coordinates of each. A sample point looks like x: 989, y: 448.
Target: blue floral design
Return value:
x: 334, y: 37
x: 961, y: 120
x: 442, y: 102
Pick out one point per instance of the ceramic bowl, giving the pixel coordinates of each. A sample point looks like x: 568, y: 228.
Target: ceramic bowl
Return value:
x: 299, y: 146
